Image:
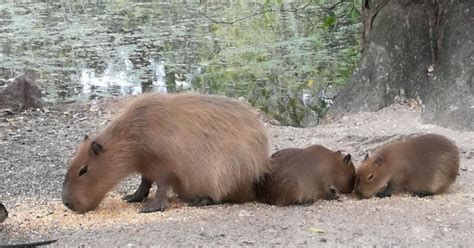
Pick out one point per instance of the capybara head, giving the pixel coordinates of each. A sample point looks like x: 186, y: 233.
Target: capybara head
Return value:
x: 91, y: 174
x: 372, y: 177
x: 346, y: 174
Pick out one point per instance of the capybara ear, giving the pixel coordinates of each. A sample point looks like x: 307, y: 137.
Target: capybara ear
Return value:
x: 366, y: 156
x: 347, y: 159
x: 96, y: 148
x: 86, y: 137
x: 378, y: 161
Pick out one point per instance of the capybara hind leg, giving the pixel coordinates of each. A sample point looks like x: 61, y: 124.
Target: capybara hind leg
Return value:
x: 155, y: 204
x: 160, y: 201
x: 331, y: 194
x: 387, y: 192
x: 202, y: 201
x: 422, y: 193
x: 141, y: 193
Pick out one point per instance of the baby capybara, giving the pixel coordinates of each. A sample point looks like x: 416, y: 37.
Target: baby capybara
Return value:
x: 423, y: 165
x: 301, y: 176
x: 3, y: 213
x: 207, y: 149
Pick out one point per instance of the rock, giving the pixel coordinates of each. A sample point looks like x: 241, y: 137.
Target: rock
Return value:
x: 23, y: 93
x: 3, y: 213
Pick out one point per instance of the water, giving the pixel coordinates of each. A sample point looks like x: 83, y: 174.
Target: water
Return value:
x: 282, y: 61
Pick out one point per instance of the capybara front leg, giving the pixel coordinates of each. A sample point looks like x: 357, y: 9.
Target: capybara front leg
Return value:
x: 160, y: 201
x: 387, y: 192
x: 141, y: 193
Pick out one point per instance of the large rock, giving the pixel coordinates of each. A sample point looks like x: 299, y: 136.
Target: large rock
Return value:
x: 3, y: 213
x: 419, y: 50
x: 21, y: 94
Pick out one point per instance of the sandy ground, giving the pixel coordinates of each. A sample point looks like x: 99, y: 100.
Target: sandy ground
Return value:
x: 35, y: 148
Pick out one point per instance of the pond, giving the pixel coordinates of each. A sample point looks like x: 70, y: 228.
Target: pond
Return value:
x: 288, y: 59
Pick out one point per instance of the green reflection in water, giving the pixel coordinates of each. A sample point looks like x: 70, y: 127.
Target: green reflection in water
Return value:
x: 286, y: 63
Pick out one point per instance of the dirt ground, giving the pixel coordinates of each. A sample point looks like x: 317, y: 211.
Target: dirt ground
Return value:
x: 36, y: 146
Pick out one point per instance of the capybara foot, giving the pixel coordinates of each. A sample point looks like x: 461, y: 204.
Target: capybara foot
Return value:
x: 141, y: 193
x: 422, y: 193
x: 387, y: 192
x: 154, y: 205
x: 306, y: 203
x: 133, y: 198
x: 332, y: 194
x: 3, y: 213
x: 201, y: 201
x: 383, y: 194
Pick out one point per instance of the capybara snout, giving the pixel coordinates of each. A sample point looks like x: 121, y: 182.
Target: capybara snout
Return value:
x: 89, y: 176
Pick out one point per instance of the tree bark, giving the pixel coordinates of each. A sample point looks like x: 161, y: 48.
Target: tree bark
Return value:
x: 420, y: 49
x: 449, y: 97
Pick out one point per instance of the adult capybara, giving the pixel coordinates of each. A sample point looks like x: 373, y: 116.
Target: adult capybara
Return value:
x: 207, y: 149
x: 299, y: 176
x: 3, y: 213
x: 423, y: 165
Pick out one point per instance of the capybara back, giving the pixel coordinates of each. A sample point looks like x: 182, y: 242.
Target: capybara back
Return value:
x: 423, y: 165
x: 299, y: 176
x: 198, y: 145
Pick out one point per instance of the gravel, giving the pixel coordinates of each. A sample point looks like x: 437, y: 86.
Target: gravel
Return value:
x: 35, y: 147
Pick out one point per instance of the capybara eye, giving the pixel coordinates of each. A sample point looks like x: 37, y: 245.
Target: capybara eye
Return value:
x: 83, y: 171
x: 371, y: 176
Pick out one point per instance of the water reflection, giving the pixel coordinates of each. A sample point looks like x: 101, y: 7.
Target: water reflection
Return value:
x: 159, y: 83
x: 119, y: 78
x: 281, y: 61
x: 119, y: 74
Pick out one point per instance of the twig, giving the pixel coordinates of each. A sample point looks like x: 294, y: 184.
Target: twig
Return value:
x: 254, y: 14
x: 234, y: 21
x: 337, y: 4
x: 32, y: 244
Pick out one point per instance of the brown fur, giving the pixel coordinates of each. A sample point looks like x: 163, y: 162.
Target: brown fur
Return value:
x: 300, y: 176
x: 423, y: 165
x: 200, y: 146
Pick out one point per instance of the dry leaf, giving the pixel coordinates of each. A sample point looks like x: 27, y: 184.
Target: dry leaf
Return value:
x: 314, y: 229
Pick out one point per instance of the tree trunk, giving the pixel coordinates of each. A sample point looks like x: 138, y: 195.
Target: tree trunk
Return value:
x: 420, y: 49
